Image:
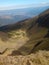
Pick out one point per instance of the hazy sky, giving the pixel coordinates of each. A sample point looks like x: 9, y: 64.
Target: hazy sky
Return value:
x: 10, y: 4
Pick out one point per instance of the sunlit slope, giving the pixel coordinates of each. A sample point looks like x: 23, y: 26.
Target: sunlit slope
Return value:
x: 12, y: 40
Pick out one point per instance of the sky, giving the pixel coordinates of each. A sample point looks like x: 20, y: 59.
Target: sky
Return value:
x: 12, y: 4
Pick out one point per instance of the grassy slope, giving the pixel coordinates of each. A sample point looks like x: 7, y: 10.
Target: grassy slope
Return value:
x: 37, y: 30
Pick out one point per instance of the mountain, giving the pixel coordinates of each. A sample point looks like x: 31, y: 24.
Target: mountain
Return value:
x: 38, y: 32
x: 26, y: 36
x: 15, y: 15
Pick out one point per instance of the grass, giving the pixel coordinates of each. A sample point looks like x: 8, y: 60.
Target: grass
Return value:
x: 17, y: 39
x: 38, y: 58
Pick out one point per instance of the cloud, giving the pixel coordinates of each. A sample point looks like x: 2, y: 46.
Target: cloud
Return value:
x: 44, y: 3
x: 24, y: 6
x: 16, y: 7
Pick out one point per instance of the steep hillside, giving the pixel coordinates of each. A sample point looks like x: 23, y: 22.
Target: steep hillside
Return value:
x: 26, y: 36
x: 38, y: 32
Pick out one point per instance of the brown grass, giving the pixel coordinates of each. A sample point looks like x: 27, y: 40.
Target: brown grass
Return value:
x: 38, y: 58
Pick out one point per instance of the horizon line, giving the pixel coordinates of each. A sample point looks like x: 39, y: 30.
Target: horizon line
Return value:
x: 23, y: 6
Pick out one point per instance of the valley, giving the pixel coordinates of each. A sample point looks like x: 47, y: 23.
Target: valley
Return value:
x: 26, y: 42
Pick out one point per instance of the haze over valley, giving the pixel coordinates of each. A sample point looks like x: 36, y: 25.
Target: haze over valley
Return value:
x: 15, y: 15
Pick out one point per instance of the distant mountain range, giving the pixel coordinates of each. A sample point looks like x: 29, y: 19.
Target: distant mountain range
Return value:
x: 15, y: 15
